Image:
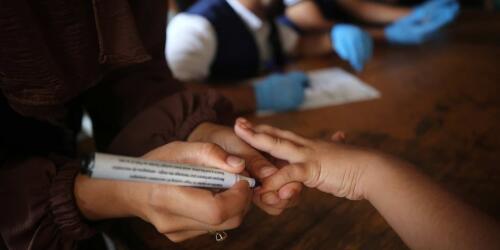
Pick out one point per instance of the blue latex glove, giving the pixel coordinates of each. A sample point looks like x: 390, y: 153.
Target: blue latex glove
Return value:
x: 281, y: 92
x: 352, y: 44
x: 424, y: 21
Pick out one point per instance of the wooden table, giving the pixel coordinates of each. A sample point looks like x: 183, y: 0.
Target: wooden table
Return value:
x: 440, y: 109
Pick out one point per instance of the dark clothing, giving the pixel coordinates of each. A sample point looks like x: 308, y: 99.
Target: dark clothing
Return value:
x: 237, y: 55
x: 58, y: 57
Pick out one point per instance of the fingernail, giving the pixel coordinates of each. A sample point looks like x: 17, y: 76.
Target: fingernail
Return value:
x: 241, y: 120
x: 243, y: 125
x: 245, y: 122
x: 234, y: 161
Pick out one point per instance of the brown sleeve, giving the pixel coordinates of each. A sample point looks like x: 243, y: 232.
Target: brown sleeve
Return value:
x: 140, y: 107
x: 39, y: 192
x: 143, y: 103
x: 172, y: 118
x: 143, y: 106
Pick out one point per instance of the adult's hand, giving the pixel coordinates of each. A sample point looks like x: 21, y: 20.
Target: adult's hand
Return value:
x: 177, y: 212
x: 258, y: 166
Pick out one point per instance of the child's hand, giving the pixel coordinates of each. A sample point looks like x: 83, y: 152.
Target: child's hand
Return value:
x: 328, y: 166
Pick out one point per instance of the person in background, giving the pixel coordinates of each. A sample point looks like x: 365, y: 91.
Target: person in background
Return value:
x: 401, y: 25
x: 238, y: 39
x: 492, y: 4
x: 59, y: 58
x: 422, y: 214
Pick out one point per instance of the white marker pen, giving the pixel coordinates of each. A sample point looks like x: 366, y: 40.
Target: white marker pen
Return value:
x: 106, y: 166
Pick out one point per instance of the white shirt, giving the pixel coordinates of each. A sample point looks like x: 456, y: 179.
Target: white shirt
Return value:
x: 191, y: 42
x: 289, y: 3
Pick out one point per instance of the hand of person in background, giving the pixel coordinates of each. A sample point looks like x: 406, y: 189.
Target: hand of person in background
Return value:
x: 424, y: 21
x: 352, y: 44
x: 281, y: 92
x: 258, y: 166
x: 177, y: 212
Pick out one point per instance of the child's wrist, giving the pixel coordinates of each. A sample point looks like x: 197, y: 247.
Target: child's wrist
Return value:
x: 379, y: 173
x: 374, y: 171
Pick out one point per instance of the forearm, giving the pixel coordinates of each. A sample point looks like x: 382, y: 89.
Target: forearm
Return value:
x: 424, y: 215
x: 377, y: 34
x: 308, y: 17
x: 374, y: 12
x: 242, y: 96
x: 105, y: 199
x: 314, y: 45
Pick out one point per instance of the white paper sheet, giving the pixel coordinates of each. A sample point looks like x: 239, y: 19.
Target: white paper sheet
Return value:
x: 334, y: 86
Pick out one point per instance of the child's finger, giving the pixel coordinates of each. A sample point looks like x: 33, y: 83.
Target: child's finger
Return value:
x: 275, y: 146
x: 285, y: 134
x: 287, y: 174
x: 290, y: 191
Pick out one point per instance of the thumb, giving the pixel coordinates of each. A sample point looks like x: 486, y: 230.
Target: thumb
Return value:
x: 198, y: 153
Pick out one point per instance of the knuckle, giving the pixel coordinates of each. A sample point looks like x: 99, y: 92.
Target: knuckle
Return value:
x: 264, y: 127
x: 209, y: 148
x: 313, y: 175
x: 256, y: 163
x: 278, y: 141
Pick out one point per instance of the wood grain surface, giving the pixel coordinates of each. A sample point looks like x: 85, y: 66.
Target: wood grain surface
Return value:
x: 440, y: 109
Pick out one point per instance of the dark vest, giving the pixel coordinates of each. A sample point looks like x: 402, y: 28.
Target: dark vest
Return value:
x: 237, y: 54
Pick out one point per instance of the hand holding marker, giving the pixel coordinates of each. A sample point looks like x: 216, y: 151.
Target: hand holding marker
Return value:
x: 106, y: 166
